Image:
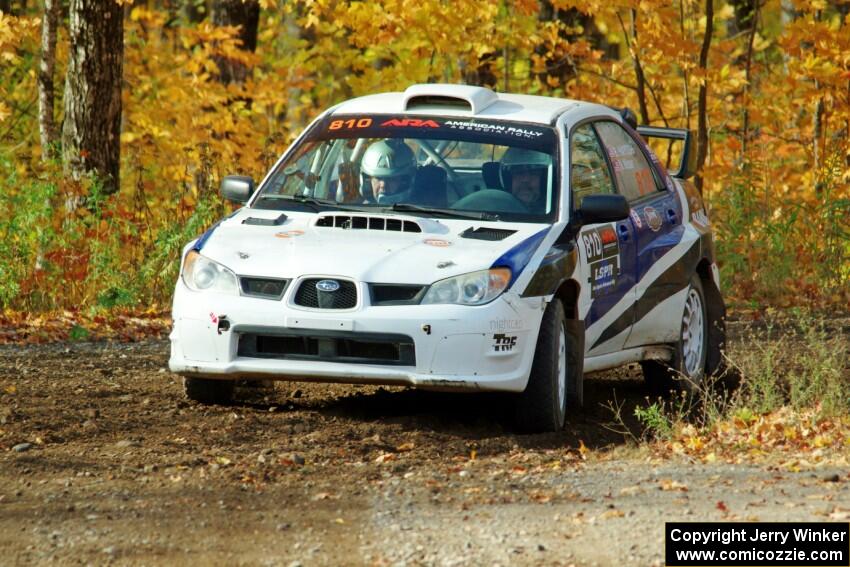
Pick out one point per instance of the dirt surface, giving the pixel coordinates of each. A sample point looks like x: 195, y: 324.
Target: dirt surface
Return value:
x: 103, y: 460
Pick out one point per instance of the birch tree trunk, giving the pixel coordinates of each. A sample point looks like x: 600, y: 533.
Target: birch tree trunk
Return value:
x: 702, y: 104
x: 46, y: 121
x: 91, y: 132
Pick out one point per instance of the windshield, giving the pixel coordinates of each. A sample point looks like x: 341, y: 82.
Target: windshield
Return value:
x: 420, y: 165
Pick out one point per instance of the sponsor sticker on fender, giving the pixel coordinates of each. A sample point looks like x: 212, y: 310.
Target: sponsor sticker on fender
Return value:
x: 289, y: 234
x: 438, y: 242
x: 603, y: 276
x: 503, y: 342
x: 603, y: 258
x: 653, y: 219
x: 600, y: 243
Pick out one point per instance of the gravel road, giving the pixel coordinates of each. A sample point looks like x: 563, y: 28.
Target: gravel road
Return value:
x: 102, y: 460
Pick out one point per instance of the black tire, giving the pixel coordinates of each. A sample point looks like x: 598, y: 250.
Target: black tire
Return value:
x: 206, y: 391
x: 542, y: 406
x: 686, y: 371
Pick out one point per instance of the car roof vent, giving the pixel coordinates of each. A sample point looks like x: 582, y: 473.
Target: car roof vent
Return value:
x: 485, y: 233
x: 443, y: 96
x: 357, y: 222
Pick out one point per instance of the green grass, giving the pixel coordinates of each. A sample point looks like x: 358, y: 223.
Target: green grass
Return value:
x: 794, y: 361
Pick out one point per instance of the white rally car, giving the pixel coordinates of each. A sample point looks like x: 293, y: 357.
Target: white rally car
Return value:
x: 449, y: 237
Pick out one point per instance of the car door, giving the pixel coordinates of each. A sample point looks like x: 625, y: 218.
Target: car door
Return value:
x: 607, y: 250
x: 656, y: 216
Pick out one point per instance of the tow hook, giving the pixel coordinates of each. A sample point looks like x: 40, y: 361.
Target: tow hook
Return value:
x: 223, y: 324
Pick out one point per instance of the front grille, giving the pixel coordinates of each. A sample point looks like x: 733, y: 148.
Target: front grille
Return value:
x: 343, y: 298
x: 486, y: 233
x: 266, y: 288
x: 367, y: 223
x: 330, y: 346
x: 396, y: 294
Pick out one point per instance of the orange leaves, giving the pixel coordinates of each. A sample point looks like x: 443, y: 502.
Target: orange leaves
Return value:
x: 18, y: 327
x: 794, y: 437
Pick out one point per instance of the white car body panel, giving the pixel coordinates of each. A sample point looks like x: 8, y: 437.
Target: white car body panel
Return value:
x: 456, y: 346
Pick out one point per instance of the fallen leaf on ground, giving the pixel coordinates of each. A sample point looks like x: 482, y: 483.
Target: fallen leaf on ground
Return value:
x: 670, y: 484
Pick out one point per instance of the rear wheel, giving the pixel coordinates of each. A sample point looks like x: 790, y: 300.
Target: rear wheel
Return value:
x: 543, y: 404
x: 686, y: 371
x: 206, y: 391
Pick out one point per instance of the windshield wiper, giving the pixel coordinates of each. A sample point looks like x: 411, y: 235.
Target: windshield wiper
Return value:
x: 407, y: 207
x: 316, y: 204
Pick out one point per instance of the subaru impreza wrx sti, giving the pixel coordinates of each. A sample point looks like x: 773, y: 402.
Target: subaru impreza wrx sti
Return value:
x: 449, y: 237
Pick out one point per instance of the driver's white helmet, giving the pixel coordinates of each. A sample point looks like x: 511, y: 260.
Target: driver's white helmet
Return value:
x: 387, y: 159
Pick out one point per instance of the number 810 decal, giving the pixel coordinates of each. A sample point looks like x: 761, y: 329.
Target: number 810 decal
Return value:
x: 350, y: 123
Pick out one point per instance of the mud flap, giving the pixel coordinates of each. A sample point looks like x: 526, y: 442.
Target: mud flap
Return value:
x: 575, y: 362
x: 716, y: 313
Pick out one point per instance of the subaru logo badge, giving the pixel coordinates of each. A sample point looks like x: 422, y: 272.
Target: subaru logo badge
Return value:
x: 328, y: 286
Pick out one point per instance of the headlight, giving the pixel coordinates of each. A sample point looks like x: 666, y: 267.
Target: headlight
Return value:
x: 476, y: 288
x: 202, y: 274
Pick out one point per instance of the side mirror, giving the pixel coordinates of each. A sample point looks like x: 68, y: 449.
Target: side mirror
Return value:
x: 603, y: 208
x: 237, y: 188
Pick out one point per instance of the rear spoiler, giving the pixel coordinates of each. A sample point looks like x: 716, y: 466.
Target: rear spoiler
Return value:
x: 688, y: 161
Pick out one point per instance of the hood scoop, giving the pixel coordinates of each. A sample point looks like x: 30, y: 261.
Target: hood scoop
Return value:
x: 357, y: 222
x: 265, y: 222
x: 486, y: 233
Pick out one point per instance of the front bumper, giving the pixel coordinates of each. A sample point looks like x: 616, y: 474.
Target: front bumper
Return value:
x: 488, y: 347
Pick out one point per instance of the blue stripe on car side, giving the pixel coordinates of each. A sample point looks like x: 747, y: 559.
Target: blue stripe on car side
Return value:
x: 517, y: 258
x: 652, y: 252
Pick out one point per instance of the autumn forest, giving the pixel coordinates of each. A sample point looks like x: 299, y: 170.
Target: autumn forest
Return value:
x: 118, y: 119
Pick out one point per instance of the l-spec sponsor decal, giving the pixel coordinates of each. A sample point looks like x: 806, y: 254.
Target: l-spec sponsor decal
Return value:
x: 603, y: 258
x: 503, y: 342
x: 493, y: 128
x: 636, y: 218
x: 653, y: 219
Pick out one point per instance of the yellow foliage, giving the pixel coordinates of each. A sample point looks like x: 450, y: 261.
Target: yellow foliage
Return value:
x: 183, y: 129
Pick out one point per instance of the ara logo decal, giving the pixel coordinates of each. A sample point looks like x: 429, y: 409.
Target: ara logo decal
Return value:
x: 411, y: 123
x: 503, y: 342
x: 653, y: 219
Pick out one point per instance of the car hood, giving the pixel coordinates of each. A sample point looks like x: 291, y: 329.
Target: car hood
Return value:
x: 310, y: 244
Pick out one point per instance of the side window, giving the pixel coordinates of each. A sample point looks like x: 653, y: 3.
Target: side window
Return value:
x: 589, y: 174
x: 634, y: 174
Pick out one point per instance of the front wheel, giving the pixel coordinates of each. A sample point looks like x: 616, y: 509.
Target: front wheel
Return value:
x: 686, y: 371
x: 543, y: 404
